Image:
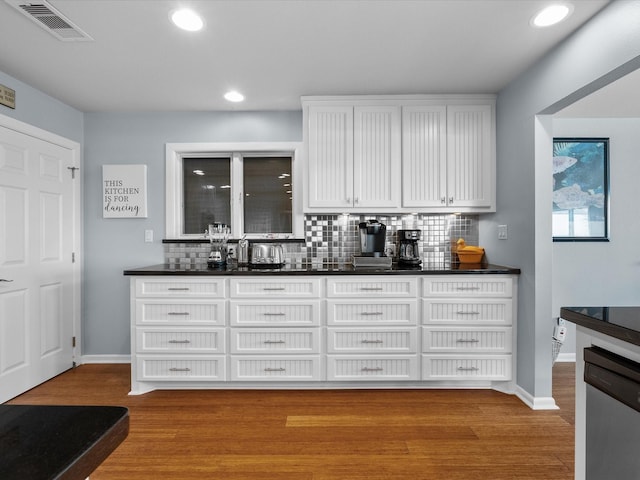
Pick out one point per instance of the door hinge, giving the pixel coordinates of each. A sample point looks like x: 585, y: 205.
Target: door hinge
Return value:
x: 73, y: 171
x: 73, y: 342
x: 73, y: 257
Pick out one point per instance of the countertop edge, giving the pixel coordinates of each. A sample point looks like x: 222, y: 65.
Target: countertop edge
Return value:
x: 612, y: 330
x: 164, y: 269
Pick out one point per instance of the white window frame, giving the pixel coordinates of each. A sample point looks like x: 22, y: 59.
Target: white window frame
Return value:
x: 175, y: 152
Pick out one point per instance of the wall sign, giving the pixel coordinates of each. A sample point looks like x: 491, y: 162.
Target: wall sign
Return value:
x: 7, y: 97
x: 124, y: 191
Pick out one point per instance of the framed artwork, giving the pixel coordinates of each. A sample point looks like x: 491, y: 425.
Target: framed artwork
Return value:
x: 580, y: 189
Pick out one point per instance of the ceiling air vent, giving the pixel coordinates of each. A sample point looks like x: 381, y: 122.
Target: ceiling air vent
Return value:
x: 50, y: 19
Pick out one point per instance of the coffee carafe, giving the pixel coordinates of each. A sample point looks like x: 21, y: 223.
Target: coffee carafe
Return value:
x: 372, y: 238
x: 409, y: 250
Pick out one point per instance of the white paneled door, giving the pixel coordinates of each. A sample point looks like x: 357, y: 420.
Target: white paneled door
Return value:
x: 37, y: 280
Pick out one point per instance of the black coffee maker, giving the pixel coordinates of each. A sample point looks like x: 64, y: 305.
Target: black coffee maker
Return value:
x: 409, y: 251
x: 372, y: 238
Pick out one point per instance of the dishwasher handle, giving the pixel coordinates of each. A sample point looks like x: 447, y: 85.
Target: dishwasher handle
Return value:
x: 614, y: 375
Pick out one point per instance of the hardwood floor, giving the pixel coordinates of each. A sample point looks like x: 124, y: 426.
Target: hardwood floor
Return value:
x: 325, y: 435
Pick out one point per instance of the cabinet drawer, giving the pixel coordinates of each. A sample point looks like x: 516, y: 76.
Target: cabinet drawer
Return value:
x: 481, y: 311
x: 466, y: 367
x: 174, y: 312
x: 466, y: 339
x: 372, y: 340
x: 175, y: 287
x: 181, y: 368
x: 275, y: 287
x: 274, y: 313
x: 372, y: 368
x: 368, y: 312
x: 270, y: 369
x: 375, y: 286
x: 275, y: 340
x: 183, y: 340
x: 467, y: 286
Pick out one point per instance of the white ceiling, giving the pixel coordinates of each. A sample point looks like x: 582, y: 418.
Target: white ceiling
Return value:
x: 275, y: 51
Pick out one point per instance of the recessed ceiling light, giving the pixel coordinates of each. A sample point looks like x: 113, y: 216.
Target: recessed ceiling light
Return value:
x: 551, y: 15
x: 233, y: 96
x: 187, y: 20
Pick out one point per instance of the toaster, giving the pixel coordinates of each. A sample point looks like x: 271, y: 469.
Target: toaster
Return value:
x: 266, y: 255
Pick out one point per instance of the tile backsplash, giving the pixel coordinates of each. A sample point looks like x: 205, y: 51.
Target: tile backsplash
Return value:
x: 333, y: 239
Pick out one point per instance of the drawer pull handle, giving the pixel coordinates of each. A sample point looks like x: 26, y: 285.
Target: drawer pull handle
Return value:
x: 182, y: 314
x: 460, y: 312
x: 174, y: 369
x: 178, y: 289
x: 271, y: 289
x: 180, y: 341
x: 467, y: 288
x: 274, y: 342
x: 268, y: 314
x: 473, y: 340
x: 281, y: 369
x: 372, y: 341
x: 369, y: 369
x: 468, y: 369
x: 371, y: 313
x: 372, y: 289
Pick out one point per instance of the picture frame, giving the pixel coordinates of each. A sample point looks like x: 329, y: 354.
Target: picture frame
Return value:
x: 580, y: 189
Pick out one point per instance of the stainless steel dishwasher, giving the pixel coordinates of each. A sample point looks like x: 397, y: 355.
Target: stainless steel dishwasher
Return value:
x: 613, y: 416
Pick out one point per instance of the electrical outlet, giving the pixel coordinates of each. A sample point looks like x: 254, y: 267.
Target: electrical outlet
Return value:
x: 502, y: 232
x: 148, y: 236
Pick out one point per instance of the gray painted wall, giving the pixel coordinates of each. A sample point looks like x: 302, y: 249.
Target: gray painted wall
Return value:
x: 42, y: 111
x: 603, y: 273
x: 113, y: 245
x: 606, y: 48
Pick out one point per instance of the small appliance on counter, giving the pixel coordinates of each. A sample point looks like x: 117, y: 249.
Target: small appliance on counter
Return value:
x: 242, y: 252
x: 408, y: 249
x: 372, y: 243
x: 266, y: 255
x: 218, y: 235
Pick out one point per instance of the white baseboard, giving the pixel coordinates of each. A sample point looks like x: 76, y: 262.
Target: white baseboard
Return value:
x: 566, y: 357
x: 536, y: 403
x: 86, y: 359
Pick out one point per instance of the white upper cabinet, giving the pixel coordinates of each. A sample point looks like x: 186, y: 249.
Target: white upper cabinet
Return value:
x: 400, y: 154
x: 470, y: 157
x: 330, y: 157
x: 424, y: 156
x: 354, y: 157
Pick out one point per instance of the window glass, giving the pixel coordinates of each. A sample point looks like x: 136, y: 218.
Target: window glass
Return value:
x: 267, y: 195
x: 206, y: 193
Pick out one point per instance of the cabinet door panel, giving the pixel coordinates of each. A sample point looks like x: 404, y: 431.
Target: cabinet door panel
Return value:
x: 376, y: 160
x: 424, y: 156
x: 469, y: 153
x: 330, y: 161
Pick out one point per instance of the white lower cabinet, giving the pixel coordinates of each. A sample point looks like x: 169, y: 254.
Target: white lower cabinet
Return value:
x: 181, y: 368
x: 270, y: 368
x: 275, y: 329
x: 467, y: 331
x: 372, y: 367
x: 368, y: 334
x: 333, y: 331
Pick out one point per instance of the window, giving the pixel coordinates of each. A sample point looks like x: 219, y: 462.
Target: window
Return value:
x: 250, y: 187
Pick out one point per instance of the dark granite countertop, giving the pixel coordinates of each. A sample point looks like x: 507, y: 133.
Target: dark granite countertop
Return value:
x: 344, y: 269
x: 622, y: 323
x: 43, y: 442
